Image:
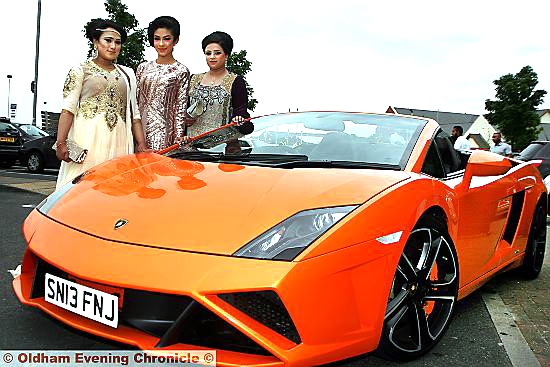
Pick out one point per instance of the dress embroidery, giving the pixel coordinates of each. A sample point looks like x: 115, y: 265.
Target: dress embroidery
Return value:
x: 110, y: 100
x: 70, y: 83
x: 99, y: 100
x: 216, y: 100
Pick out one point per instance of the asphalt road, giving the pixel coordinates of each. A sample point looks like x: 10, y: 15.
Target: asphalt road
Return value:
x: 472, y: 339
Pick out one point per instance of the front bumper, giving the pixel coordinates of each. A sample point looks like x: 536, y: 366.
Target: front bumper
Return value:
x: 335, y: 303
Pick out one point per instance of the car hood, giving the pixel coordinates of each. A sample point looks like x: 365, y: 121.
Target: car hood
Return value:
x: 204, y: 207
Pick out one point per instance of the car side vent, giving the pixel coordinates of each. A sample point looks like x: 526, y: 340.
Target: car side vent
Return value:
x: 513, y: 217
x: 265, y: 307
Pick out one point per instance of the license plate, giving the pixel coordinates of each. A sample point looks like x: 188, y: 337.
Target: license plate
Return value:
x: 8, y: 139
x: 85, y: 301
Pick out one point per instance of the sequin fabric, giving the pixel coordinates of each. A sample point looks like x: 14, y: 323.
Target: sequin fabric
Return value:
x: 216, y: 100
x: 162, y: 100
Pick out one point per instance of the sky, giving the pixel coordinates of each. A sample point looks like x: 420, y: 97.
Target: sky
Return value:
x: 360, y: 56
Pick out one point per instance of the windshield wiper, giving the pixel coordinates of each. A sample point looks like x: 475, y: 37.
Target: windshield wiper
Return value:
x: 336, y: 164
x: 195, y: 155
x: 261, y: 157
x: 256, y: 159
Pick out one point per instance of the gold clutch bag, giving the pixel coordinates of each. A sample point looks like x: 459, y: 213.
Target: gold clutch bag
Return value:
x: 76, y: 152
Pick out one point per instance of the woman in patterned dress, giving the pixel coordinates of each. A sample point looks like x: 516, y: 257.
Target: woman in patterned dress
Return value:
x: 221, y: 95
x: 162, y: 86
x: 100, y: 111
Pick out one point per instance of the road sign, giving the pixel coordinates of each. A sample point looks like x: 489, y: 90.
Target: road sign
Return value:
x: 13, y: 109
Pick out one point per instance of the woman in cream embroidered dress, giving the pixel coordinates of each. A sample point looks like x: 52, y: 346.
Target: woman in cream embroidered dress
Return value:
x: 162, y: 86
x: 219, y: 96
x: 98, y: 103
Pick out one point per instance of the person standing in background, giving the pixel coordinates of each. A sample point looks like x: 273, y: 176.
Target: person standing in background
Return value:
x: 460, y: 142
x: 499, y: 146
x: 162, y: 86
x: 99, y: 110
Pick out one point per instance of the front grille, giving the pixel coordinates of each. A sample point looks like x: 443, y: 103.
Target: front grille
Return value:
x: 171, y: 318
x: 265, y: 307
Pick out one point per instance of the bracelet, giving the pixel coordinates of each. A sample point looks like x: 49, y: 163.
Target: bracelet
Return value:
x: 61, y: 143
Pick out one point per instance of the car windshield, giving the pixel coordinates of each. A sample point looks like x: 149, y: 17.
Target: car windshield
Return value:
x: 326, y: 139
x: 33, y: 130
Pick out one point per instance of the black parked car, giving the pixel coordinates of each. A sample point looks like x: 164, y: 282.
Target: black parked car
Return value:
x: 38, y: 154
x: 12, y: 137
x: 538, y: 150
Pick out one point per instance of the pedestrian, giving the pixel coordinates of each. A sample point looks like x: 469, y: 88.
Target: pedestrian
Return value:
x: 218, y: 96
x: 99, y: 111
x: 460, y: 142
x: 162, y: 86
x: 499, y: 146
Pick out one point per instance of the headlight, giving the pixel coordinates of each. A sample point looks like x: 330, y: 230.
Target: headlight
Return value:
x: 290, y: 237
x: 48, y: 203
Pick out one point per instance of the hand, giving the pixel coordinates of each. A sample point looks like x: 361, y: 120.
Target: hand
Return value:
x: 239, y: 120
x: 142, y: 148
x: 181, y: 140
x: 62, y: 152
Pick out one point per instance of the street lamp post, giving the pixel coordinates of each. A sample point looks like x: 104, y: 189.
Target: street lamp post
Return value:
x: 9, y: 88
x: 36, y: 62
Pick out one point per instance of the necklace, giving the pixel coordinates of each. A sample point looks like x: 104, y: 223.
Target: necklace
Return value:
x: 214, y: 81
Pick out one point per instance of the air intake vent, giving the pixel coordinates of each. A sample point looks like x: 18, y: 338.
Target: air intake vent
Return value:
x: 513, y: 217
x: 265, y: 307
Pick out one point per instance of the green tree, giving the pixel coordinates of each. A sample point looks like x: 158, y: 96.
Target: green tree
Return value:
x: 514, y: 111
x: 238, y: 64
x: 133, y: 49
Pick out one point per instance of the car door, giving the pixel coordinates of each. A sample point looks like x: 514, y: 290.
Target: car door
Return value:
x: 10, y: 141
x: 49, y: 153
x: 483, y: 206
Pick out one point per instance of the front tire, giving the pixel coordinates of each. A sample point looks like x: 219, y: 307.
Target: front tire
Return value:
x: 423, y: 294
x: 536, y: 245
x: 35, y: 162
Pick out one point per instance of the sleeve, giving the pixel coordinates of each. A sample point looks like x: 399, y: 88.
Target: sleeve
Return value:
x: 182, y: 102
x: 72, y: 89
x: 508, y: 149
x: 133, y: 96
x: 239, y: 103
x: 139, y: 74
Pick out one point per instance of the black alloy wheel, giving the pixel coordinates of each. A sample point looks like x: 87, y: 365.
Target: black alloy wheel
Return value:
x: 35, y: 162
x: 423, y: 294
x: 536, y: 245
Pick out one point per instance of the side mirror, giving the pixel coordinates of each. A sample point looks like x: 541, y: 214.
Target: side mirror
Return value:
x: 483, y: 163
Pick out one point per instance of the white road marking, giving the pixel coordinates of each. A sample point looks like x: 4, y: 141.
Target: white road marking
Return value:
x: 516, y: 346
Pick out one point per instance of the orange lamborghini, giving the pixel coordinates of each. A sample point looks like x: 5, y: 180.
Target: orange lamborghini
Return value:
x: 328, y: 236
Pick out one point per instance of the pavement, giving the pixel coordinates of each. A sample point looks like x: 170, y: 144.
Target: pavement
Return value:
x: 528, y: 303
x: 516, y: 302
x: 42, y: 184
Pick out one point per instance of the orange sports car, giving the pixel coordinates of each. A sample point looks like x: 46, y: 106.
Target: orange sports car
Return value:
x: 329, y: 235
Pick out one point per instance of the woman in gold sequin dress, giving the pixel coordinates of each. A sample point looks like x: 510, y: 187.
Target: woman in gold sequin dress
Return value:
x: 162, y: 86
x: 100, y: 111
x: 221, y: 95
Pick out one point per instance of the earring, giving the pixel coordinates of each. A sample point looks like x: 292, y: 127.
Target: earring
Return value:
x: 95, y: 53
